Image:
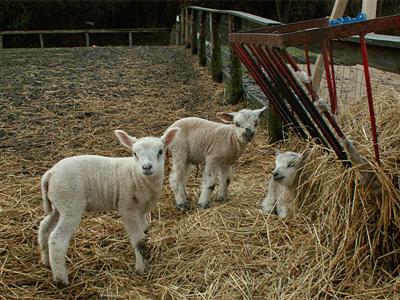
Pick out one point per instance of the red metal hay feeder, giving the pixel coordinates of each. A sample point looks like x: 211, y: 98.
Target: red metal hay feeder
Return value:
x: 264, y: 53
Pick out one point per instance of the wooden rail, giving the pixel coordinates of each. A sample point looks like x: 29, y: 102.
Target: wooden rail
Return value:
x: 87, y: 32
x: 190, y: 30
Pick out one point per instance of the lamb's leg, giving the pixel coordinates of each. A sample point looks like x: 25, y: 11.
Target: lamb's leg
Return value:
x: 177, y: 181
x: 224, y: 181
x: 282, y: 210
x: 269, y: 201
x: 144, y: 223
x: 132, y: 222
x: 58, y: 245
x: 208, y: 185
x: 284, y: 204
x: 46, y: 227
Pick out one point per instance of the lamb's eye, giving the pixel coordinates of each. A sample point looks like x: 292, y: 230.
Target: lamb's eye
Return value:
x: 292, y: 164
x: 134, y: 153
x: 160, y: 153
x: 237, y: 124
x: 255, y: 124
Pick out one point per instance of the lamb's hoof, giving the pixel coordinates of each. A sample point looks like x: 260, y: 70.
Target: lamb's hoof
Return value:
x: 202, y: 205
x: 60, y: 283
x: 269, y: 212
x: 220, y: 199
x: 183, y: 206
x: 45, y: 261
x: 142, y: 270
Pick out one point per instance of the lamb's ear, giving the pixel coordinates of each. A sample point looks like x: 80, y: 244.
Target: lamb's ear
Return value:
x: 226, y: 117
x: 302, y: 160
x: 259, y: 111
x: 169, y: 136
x: 125, y: 139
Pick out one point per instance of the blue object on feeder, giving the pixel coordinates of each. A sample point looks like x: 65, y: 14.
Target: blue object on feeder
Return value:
x: 347, y: 20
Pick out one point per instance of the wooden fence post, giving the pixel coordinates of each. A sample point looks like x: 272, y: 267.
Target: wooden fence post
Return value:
x: 194, y: 32
x: 216, y: 58
x: 202, y: 39
x: 177, y: 32
x: 130, y: 39
x: 87, y: 39
x: 182, y: 35
x: 235, y: 83
x: 1, y: 41
x: 41, y: 40
x: 187, y: 28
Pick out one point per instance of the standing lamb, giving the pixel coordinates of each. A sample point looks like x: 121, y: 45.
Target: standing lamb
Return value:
x: 129, y: 185
x: 282, y: 185
x: 215, y: 144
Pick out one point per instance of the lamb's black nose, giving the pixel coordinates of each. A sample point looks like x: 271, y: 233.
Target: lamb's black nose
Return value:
x: 249, y: 132
x: 276, y: 175
x: 147, y: 167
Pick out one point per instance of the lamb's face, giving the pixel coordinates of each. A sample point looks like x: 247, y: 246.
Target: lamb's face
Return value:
x: 285, y: 167
x: 149, y: 155
x: 148, y: 151
x: 245, y: 121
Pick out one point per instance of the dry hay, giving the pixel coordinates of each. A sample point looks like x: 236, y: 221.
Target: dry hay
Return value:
x: 67, y: 102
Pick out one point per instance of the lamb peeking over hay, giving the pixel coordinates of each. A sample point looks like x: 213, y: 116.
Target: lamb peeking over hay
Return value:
x: 363, y: 170
x: 129, y: 185
x: 215, y: 144
x: 302, y: 77
x: 282, y: 185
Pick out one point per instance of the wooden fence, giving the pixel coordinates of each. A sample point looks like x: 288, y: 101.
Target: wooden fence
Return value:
x: 41, y: 34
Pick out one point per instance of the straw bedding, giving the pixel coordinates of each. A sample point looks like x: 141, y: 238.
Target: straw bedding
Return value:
x: 63, y: 102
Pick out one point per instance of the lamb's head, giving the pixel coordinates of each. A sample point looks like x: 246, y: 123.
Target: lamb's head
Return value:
x: 245, y: 121
x: 286, y: 166
x: 149, y: 152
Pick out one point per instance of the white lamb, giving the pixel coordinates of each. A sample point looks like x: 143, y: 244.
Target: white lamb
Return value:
x: 215, y: 144
x: 129, y: 185
x: 282, y: 185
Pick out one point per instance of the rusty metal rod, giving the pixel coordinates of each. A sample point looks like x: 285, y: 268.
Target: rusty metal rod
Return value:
x: 264, y: 84
x: 307, y: 103
x: 369, y: 95
x: 281, y: 87
x: 324, y: 53
x: 307, y: 59
x: 333, y: 75
x: 331, y: 118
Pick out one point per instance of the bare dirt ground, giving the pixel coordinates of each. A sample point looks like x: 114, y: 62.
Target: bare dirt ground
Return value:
x: 56, y: 103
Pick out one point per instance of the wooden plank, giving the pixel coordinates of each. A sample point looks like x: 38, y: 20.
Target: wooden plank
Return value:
x: 78, y: 31
x: 374, y: 39
x: 246, y: 16
x: 318, y: 70
x: 130, y: 39
x: 348, y: 53
x: 369, y: 8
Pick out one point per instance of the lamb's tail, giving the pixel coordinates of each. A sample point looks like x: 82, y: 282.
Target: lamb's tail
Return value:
x: 45, y: 187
